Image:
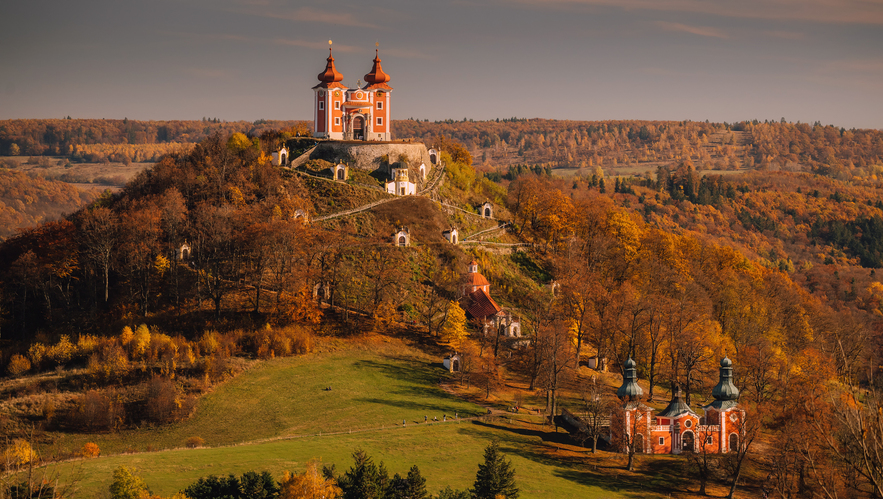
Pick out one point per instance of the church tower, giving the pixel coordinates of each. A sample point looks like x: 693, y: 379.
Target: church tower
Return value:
x: 376, y: 86
x: 330, y: 93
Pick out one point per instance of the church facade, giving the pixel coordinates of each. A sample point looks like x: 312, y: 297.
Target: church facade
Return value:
x: 359, y: 113
x: 677, y: 428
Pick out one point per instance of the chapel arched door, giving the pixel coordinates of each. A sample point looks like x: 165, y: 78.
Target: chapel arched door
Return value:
x: 359, y: 128
x: 687, y: 442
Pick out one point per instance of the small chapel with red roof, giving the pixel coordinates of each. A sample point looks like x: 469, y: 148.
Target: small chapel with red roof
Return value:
x: 476, y: 301
x: 358, y: 113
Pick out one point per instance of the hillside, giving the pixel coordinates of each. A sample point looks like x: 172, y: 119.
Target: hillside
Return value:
x: 29, y: 200
x: 675, y: 270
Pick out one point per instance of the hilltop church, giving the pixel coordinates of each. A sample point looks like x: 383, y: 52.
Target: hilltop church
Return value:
x: 360, y: 113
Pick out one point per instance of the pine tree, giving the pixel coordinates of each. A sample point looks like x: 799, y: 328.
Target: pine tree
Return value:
x: 496, y: 477
x: 412, y: 486
x: 365, y: 480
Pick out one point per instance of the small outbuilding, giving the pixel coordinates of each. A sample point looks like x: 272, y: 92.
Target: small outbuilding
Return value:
x: 487, y: 210
x: 341, y: 172
x: 183, y: 252
x: 402, y: 238
x: 452, y: 362
x: 452, y: 235
x: 280, y: 157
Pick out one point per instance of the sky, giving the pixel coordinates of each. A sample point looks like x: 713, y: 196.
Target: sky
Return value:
x: 720, y: 60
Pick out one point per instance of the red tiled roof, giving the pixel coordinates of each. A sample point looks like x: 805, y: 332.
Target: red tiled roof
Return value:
x: 383, y: 86
x: 475, y: 279
x: 330, y: 85
x: 479, y: 305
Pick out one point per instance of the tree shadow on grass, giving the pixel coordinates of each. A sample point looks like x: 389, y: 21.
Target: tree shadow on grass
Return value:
x: 419, y: 390
x: 657, y: 477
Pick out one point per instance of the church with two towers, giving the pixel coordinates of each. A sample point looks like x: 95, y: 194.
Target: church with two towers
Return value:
x: 359, y: 113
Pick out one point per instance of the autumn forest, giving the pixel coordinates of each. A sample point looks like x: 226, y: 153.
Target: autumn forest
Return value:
x: 674, y: 243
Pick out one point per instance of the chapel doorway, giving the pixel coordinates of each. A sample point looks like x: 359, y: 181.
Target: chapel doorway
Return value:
x: 359, y: 128
x: 687, y: 442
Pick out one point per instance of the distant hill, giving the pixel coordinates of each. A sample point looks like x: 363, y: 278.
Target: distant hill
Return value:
x: 29, y: 200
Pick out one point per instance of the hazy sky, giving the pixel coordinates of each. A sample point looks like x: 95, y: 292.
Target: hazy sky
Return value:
x: 722, y: 60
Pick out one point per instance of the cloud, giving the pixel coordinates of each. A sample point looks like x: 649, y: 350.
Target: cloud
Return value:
x: 693, y: 30
x: 823, y: 11
x: 311, y: 15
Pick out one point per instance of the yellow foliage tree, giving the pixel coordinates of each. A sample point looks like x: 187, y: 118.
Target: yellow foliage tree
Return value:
x: 20, y: 453
x: 454, y: 329
x: 238, y: 142
x: 308, y: 485
x: 140, y: 341
x: 384, y: 316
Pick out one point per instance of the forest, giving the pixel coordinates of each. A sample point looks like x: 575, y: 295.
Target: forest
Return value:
x: 775, y: 268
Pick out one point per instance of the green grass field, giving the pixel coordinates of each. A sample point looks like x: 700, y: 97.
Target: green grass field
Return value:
x: 373, y: 389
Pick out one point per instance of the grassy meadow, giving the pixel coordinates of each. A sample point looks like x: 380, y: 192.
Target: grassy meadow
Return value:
x: 278, y: 416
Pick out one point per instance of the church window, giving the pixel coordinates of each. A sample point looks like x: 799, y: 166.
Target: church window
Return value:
x: 337, y: 104
x: 709, y: 440
x: 379, y: 121
x: 661, y: 440
x: 321, y: 105
x: 336, y: 121
x: 688, y: 423
x: 734, y: 441
x: 380, y: 105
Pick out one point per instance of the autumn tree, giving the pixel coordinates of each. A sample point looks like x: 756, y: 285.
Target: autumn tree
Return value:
x: 453, y: 330
x: 308, y: 485
x: 99, y: 229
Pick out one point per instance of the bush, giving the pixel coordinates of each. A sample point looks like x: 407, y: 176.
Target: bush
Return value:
x: 36, y: 353
x: 194, y: 442
x: 98, y: 410
x: 90, y: 450
x: 19, y: 453
x: 61, y: 352
x: 18, y: 365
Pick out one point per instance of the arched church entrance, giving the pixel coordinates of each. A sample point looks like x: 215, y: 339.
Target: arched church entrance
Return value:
x: 687, y: 441
x: 359, y: 128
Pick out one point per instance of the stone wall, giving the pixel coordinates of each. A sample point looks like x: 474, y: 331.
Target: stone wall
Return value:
x: 372, y: 156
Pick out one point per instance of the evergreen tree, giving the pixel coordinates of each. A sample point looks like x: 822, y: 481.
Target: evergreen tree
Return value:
x: 365, y: 480
x: 413, y: 486
x: 495, y: 477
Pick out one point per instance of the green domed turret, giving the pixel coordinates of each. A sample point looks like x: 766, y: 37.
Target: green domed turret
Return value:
x: 629, y: 389
x: 725, y: 389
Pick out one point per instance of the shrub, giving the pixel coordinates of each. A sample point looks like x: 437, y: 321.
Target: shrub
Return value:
x: 208, y: 343
x: 36, y: 353
x: 19, y: 453
x: 90, y: 450
x: 194, y: 442
x: 18, y: 365
x: 61, y: 352
x: 98, y: 410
